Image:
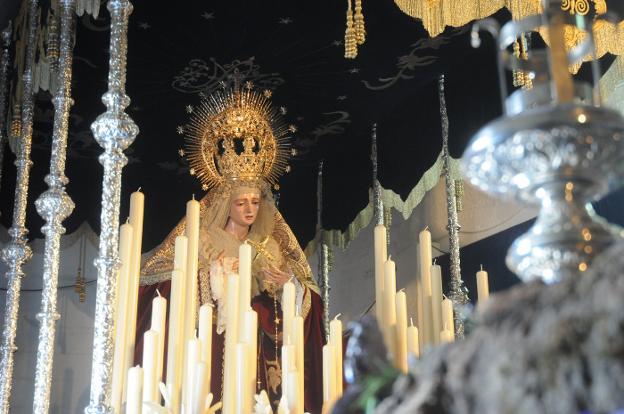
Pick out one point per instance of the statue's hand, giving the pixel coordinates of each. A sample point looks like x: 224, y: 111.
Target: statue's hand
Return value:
x: 275, y: 276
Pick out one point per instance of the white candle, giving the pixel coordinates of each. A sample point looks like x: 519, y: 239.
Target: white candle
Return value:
x: 400, y: 355
x: 329, y: 373
x: 446, y: 336
x: 135, y: 386
x: 137, y: 202
x: 381, y: 255
x: 159, y: 317
x: 231, y: 339
x: 426, y: 331
x: 150, y: 365
x: 483, y: 285
x: 335, y: 339
x: 436, y: 301
x: 298, y: 343
x: 288, y: 363
x: 205, y: 337
x: 250, y: 338
x: 448, y: 324
x: 192, y: 254
x: 244, y: 273
x: 295, y: 400
x: 288, y: 308
x: 243, y: 392
x: 192, y: 359
x: 201, y: 388
x: 389, y: 301
x: 413, y: 347
x: 175, y: 350
x: 119, y: 359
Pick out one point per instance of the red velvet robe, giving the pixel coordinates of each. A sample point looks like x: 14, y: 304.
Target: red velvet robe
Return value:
x: 263, y: 304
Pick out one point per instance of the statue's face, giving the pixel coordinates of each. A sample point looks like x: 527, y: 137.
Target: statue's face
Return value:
x: 244, y: 209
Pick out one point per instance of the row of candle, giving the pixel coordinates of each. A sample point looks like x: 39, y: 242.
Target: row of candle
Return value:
x: 434, y: 311
x: 332, y: 365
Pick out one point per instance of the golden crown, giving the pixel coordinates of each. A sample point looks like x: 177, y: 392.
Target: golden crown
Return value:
x: 236, y: 135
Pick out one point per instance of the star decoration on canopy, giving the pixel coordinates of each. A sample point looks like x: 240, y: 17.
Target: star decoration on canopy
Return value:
x: 285, y: 20
x: 144, y: 25
x: 208, y: 15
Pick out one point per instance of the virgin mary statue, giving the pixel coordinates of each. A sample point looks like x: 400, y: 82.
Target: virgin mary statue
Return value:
x: 238, y: 148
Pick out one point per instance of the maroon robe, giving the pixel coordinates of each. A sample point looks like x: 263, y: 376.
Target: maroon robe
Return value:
x: 263, y: 304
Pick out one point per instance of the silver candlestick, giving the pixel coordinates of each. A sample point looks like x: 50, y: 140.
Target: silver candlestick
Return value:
x: 114, y: 130
x: 17, y: 252
x: 54, y: 206
x: 554, y: 146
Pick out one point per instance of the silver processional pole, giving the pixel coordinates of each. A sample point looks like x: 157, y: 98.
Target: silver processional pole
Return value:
x: 54, y: 206
x: 114, y: 130
x: 17, y: 252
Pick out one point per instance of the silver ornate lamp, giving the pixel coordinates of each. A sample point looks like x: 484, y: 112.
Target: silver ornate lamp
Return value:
x: 555, y: 146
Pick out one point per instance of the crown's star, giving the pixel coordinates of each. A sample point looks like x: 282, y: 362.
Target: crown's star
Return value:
x: 292, y: 128
x: 249, y: 85
x: 180, y: 130
x: 283, y: 110
x: 192, y: 171
x: 189, y: 109
x: 205, y: 187
x: 181, y: 152
x: 267, y: 93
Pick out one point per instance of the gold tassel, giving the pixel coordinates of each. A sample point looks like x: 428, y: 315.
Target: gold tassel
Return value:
x: 527, y: 83
x: 350, y: 43
x: 16, y: 121
x: 360, y: 30
x: 459, y: 195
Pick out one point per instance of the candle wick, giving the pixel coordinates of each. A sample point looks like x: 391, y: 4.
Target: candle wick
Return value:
x: 337, y: 316
x: 127, y: 220
x: 159, y: 295
x: 434, y: 260
x: 389, y: 257
x: 402, y: 290
x: 481, y: 267
x: 139, y: 190
x: 426, y: 228
x: 411, y: 321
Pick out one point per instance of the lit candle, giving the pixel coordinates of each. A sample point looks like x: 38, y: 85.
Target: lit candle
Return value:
x: 298, y: 343
x: 192, y: 233
x: 329, y: 373
x: 205, y: 337
x: 400, y: 355
x: 413, y: 347
x: 436, y: 301
x: 119, y: 359
x: 243, y: 392
x: 335, y: 339
x: 288, y: 308
x: 231, y: 339
x: 159, y: 316
x: 381, y: 255
x: 137, y: 202
x: 483, y: 285
x: 150, y: 365
x: 424, y: 317
x: 244, y: 273
x: 201, y: 388
x: 135, y: 387
x: 192, y: 359
x: 389, y: 301
x: 250, y: 338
